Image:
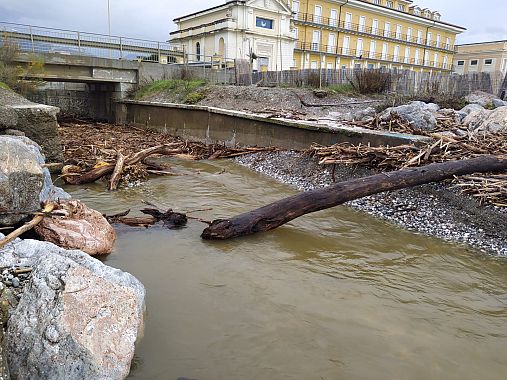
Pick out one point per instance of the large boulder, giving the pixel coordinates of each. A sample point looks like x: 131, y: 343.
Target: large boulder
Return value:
x: 77, y: 318
x: 37, y: 121
x: 496, y: 121
x: 476, y: 118
x: 82, y: 228
x: 483, y: 99
x: 420, y: 115
x: 24, y: 183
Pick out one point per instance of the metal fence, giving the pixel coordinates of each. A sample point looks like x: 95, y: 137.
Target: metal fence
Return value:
x: 37, y: 39
x: 403, y: 82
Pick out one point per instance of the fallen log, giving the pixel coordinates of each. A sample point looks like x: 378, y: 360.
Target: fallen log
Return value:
x: 118, y: 170
x: 278, y: 213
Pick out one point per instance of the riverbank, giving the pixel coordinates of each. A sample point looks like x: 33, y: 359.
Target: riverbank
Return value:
x: 435, y: 210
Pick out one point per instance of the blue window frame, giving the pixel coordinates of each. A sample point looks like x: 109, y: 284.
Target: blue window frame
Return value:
x: 264, y: 23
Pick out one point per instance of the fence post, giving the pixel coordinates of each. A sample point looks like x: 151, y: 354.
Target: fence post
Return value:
x: 31, y: 39
x: 79, y: 42
x: 158, y: 49
x: 121, y: 48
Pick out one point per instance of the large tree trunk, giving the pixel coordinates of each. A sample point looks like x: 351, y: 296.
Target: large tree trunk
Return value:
x: 278, y: 213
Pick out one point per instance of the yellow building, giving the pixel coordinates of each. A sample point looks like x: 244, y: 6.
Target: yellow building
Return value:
x: 371, y: 34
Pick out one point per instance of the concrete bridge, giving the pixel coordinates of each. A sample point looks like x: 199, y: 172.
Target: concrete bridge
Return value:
x: 86, y: 71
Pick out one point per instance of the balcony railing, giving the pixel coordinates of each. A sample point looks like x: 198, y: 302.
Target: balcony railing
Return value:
x: 365, y: 55
x: 360, y: 28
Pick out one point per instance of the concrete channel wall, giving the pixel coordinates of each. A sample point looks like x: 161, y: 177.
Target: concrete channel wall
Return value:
x: 235, y: 128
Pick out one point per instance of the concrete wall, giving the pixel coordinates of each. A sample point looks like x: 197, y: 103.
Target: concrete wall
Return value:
x: 94, y: 100
x: 213, y: 125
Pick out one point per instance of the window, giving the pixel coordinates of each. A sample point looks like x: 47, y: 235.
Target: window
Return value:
x: 398, y: 32
x: 373, y: 49
x: 374, y: 27
x: 407, y: 55
x: 435, y: 60
x: 436, y: 16
x: 417, y: 12
x: 198, y: 51
x: 409, y: 34
x: 334, y: 17
x: 348, y: 20
x: 295, y: 9
x: 331, y: 44
x: 488, y: 61
x: 428, y: 40
x: 447, y: 43
x: 385, y: 47
x: 390, y: 4
x: 264, y: 23
x: 419, y: 36
x: 313, y: 65
x: 316, y: 40
x: 362, y: 23
x: 318, y: 14
x: 378, y: 2
x: 346, y: 45
x: 401, y: 7
x: 387, y: 29
x: 474, y: 62
x: 461, y: 63
x: 396, y: 53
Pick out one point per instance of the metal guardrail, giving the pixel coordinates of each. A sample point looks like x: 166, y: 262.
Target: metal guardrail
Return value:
x: 37, y: 39
x: 388, y: 34
x: 369, y: 55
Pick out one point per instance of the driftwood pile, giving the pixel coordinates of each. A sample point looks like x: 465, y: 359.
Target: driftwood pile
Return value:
x: 125, y: 154
x: 487, y: 188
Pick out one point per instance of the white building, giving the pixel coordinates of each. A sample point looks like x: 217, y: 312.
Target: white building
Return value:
x: 235, y: 30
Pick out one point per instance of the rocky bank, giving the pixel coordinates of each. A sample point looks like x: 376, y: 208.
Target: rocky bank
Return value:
x: 67, y: 314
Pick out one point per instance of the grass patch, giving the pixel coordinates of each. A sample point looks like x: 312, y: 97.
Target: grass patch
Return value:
x: 4, y: 86
x: 344, y: 89
x: 179, y: 88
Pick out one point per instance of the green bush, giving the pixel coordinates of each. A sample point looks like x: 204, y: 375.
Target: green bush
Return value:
x: 15, y: 76
x: 194, y: 97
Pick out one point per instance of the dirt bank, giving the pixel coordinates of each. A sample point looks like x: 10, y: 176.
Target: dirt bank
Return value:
x: 298, y: 102
x: 434, y: 210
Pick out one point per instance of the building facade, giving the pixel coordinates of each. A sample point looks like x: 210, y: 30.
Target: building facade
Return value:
x: 371, y: 34
x: 481, y: 57
x: 239, y: 29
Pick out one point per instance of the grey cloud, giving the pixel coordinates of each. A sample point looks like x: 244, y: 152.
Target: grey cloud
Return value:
x: 152, y: 19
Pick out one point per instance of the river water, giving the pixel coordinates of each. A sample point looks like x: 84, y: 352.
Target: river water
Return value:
x: 333, y: 295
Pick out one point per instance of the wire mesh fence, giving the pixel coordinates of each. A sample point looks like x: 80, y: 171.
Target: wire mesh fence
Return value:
x: 403, y: 82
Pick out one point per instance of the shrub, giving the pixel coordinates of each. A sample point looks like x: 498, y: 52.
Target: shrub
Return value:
x: 15, y: 76
x: 370, y: 81
x: 194, y: 97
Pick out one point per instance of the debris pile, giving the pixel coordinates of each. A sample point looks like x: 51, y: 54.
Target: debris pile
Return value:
x: 487, y: 188
x: 124, y: 153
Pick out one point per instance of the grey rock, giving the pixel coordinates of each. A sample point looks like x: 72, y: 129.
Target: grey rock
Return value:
x: 476, y: 118
x: 24, y: 183
x: 77, y: 318
x: 496, y: 121
x: 482, y: 98
x: 420, y: 115
x: 8, y: 118
x: 497, y: 103
x: 37, y: 121
x: 470, y: 108
x: 357, y: 115
x: 15, y: 282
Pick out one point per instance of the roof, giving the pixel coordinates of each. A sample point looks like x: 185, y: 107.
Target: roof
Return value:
x: 482, y: 43
x: 232, y: 2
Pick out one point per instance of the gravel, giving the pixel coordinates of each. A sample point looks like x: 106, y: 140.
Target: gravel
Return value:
x: 434, y: 210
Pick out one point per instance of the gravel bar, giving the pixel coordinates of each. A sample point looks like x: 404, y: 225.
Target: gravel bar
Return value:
x: 434, y: 209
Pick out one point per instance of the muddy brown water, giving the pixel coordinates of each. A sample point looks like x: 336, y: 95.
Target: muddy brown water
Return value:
x: 333, y: 295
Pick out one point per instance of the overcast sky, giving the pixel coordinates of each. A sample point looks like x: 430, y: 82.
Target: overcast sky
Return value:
x: 152, y: 19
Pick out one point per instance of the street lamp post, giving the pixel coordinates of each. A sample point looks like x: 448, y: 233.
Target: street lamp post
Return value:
x: 109, y: 26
